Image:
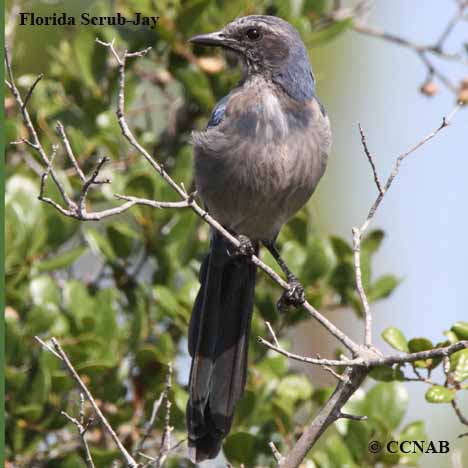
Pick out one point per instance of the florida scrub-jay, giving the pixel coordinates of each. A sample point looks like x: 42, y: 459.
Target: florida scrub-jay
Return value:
x: 257, y: 163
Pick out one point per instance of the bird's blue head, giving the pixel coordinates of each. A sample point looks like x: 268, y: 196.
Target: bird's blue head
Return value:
x: 270, y: 46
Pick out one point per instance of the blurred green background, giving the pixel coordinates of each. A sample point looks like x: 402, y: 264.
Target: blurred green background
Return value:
x: 118, y: 294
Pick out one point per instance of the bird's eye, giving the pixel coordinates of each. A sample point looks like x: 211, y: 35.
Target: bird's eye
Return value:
x: 253, y: 34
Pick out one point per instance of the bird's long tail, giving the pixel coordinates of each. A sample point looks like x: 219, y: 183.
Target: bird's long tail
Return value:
x: 218, y: 343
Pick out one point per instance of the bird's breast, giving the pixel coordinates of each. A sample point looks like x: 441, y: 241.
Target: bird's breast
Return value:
x: 262, y: 162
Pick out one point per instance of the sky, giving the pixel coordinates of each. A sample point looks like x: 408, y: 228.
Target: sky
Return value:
x: 424, y: 216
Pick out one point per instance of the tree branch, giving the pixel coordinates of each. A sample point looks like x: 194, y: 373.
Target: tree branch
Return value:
x: 130, y: 461
x: 82, y: 427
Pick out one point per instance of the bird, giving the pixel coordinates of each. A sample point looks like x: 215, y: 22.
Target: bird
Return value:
x: 256, y: 164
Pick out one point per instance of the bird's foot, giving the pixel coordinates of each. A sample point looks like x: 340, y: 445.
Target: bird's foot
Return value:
x: 292, y: 297
x: 246, y: 248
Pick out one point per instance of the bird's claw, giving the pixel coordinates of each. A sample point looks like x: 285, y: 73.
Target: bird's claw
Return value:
x: 245, y: 248
x: 294, y: 296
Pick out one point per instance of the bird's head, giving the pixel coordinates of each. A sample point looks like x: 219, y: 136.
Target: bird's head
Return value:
x: 268, y: 45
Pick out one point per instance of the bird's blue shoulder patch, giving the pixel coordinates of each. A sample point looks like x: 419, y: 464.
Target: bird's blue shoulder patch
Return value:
x: 218, y: 113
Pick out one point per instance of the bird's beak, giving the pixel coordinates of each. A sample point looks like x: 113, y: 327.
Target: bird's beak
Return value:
x: 217, y: 38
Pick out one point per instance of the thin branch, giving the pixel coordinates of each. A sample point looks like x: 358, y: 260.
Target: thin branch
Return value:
x: 69, y: 150
x: 87, y: 184
x: 327, y: 415
x: 166, y: 436
x: 155, y: 411
x: 32, y: 131
x: 390, y: 37
x: 31, y: 89
x: 360, y: 287
x: 309, y: 360
x: 353, y: 417
x: 446, y: 121
x: 71, y: 370
x: 82, y: 427
x: 276, y: 453
x: 272, y: 333
x: 331, y: 370
x: 370, y: 159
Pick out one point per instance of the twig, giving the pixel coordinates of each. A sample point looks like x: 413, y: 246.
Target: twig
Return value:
x: 371, y: 160
x: 353, y: 417
x: 272, y: 333
x: 330, y: 370
x: 327, y: 415
x: 276, y: 452
x: 71, y: 370
x: 69, y: 150
x: 309, y: 360
x: 31, y: 89
x: 82, y: 427
x: 360, y: 287
x: 371, y: 359
x: 155, y: 411
x: 358, y: 232
x: 35, y: 143
x: 463, y: 419
x: 87, y: 184
x: 166, y: 436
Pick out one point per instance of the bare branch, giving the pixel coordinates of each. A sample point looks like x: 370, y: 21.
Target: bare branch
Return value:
x: 35, y: 142
x: 327, y: 415
x: 87, y: 184
x: 82, y: 427
x: 31, y: 89
x: 155, y: 411
x: 360, y: 286
x: 166, y: 436
x: 353, y: 417
x: 276, y: 453
x: 272, y: 333
x: 371, y: 160
x: 309, y: 360
x: 71, y: 370
x: 69, y: 150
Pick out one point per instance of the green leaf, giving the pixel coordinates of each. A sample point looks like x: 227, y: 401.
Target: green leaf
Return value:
x: 294, y: 254
x: 395, y: 338
x: 342, y: 278
x: 320, y: 259
x: 372, y: 241
x: 341, y: 248
x: 459, y: 365
x: 83, y: 47
x: 338, y: 452
x: 44, y: 291
x: 386, y: 373
x: 387, y: 403
x: 413, y: 431
x: 122, y: 238
x: 60, y: 261
x: 31, y: 412
x: 240, y: 448
x: 461, y: 330
x: 383, y: 287
x: 294, y: 387
x: 439, y: 394
x: 100, y: 245
x: 451, y: 336
x: 416, y: 345
x: 165, y: 297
